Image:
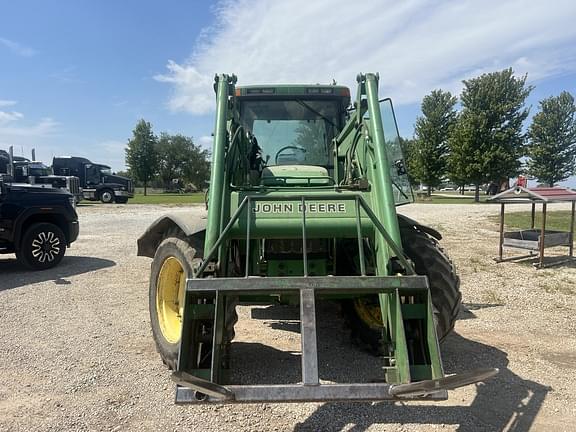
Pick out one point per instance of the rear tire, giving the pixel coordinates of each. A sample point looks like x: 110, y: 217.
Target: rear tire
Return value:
x: 430, y: 260
x: 42, y: 247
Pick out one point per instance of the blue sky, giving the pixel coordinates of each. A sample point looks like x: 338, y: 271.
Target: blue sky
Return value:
x: 75, y: 76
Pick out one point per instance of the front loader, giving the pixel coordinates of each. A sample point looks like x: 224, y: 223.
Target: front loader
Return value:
x: 302, y: 208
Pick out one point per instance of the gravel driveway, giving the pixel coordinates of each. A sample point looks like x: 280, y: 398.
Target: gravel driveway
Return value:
x: 76, y: 351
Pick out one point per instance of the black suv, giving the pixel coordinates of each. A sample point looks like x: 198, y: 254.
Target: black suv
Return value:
x: 37, y: 223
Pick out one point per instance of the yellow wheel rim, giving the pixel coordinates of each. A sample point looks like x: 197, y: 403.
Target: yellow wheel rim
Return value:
x: 170, y: 289
x: 369, y: 313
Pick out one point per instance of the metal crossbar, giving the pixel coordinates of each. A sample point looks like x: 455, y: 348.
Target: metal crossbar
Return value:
x: 324, y: 284
x: 301, y: 393
x: 360, y: 204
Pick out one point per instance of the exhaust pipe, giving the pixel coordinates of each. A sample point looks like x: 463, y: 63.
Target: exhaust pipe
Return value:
x: 11, y: 161
x: 33, y: 155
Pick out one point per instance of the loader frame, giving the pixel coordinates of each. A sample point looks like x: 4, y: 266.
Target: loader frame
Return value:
x: 370, y: 210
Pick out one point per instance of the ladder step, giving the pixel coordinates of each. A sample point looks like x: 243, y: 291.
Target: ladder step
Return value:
x: 201, y: 373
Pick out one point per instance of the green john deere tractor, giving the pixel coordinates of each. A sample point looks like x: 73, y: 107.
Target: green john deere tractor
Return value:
x: 302, y: 208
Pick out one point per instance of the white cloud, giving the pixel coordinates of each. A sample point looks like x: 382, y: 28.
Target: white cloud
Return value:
x: 415, y: 45
x: 66, y: 75
x: 25, y: 136
x: 18, y: 48
x: 188, y: 88
x: 11, y: 125
x: 9, y: 116
x: 46, y: 126
x: 7, y: 103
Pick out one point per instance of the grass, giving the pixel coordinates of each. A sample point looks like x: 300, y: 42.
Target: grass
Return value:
x: 156, y: 196
x: 195, y: 198
x: 449, y: 198
x: 477, y: 264
x: 167, y: 198
x: 557, y: 288
x: 555, y: 220
x: 492, y: 297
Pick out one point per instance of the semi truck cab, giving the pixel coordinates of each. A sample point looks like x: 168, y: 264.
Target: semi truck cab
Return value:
x: 97, y: 180
x: 24, y: 170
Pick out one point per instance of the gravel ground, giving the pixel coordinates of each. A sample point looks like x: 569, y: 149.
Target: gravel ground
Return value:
x: 76, y: 351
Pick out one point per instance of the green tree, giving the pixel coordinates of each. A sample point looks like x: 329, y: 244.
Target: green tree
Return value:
x: 407, y: 145
x: 141, y: 154
x: 488, y: 141
x: 314, y: 136
x: 180, y: 158
x: 459, y: 159
x: 432, y: 129
x: 552, y: 135
x: 124, y: 174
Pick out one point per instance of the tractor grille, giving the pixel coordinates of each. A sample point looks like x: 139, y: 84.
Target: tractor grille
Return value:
x: 130, y: 186
x: 281, y: 248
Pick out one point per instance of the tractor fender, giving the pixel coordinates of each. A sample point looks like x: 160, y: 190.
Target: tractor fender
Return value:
x: 183, y: 224
x: 405, y: 221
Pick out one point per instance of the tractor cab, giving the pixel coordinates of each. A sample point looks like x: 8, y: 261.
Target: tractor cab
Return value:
x: 293, y: 128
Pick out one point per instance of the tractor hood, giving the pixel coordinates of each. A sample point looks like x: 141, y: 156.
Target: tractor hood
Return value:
x: 295, y: 175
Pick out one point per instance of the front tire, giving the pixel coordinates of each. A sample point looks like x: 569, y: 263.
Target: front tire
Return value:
x: 171, y: 266
x: 42, y: 247
x: 107, y: 196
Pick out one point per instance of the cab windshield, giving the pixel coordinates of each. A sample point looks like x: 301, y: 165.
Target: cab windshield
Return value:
x: 293, y: 132
x: 38, y: 169
x: 105, y: 170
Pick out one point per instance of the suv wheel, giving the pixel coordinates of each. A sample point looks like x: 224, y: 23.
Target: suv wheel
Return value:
x: 107, y: 196
x: 43, y: 246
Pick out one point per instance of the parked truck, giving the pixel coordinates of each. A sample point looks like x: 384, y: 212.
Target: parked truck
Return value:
x: 97, y: 180
x: 36, y: 223
x: 302, y: 208
x: 24, y: 170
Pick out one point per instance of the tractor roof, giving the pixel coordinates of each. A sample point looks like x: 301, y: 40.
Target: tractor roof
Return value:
x: 282, y: 90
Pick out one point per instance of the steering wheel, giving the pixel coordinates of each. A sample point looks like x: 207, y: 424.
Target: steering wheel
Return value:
x: 290, y: 147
